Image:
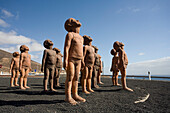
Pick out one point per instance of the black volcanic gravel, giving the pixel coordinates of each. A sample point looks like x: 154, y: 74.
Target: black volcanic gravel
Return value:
x: 107, y: 99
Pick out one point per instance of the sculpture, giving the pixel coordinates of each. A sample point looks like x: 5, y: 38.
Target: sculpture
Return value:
x: 123, y: 62
x: 73, y: 57
x: 48, y: 64
x: 96, y: 68
x: 24, y: 65
x: 89, y: 63
x: 58, y: 67
x: 14, y: 68
x: 114, y: 67
x: 100, y: 71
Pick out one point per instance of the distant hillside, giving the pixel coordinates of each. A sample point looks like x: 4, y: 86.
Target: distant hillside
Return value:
x: 5, y: 61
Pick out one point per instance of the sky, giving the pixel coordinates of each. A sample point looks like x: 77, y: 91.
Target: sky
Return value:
x: 142, y: 25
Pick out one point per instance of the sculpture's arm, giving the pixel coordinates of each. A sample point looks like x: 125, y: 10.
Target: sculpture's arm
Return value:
x: 11, y: 66
x: 43, y: 60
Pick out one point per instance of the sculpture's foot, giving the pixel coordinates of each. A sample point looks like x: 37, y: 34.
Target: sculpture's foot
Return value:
x: 118, y: 85
x: 86, y: 92
x: 79, y: 99
x: 96, y: 86
x: 12, y: 86
x: 71, y: 101
x: 53, y: 90
x: 22, y: 88
x: 90, y: 90
x: 16, y: 84
x: 27, y: 87
x: 128, y: 89
x: 101, y: 83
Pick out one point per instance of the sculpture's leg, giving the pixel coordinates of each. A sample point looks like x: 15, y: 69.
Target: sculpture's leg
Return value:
x: 45, y: 81
x: 89, y: 80
x: 16, y: 78
x: 25, y: 78
x: 12, y: 78
x: 21, y: 79
x: 84, y: 80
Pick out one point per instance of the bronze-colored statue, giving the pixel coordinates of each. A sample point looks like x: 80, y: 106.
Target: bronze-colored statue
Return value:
x: 58, y: 67
x: 100, y: 71
x: 96, y: 68
x: 73, y: 57
x: 14, y: 67
x: 48, y: 64
x: 89, y: 63
x: 25, y: 66
x: 123, y: 62
x: 114, y: 67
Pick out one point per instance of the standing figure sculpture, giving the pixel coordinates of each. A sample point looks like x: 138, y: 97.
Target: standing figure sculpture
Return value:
x: 96, y: 68
x: 123, y: 62
x: 100, y: 71
x: 58, y: 67
x: 25, y: 66
x: 114, y: 67
x: 89, y: 63
x: 73, y: 57
x: 14, y: 68
x: 48, y: 64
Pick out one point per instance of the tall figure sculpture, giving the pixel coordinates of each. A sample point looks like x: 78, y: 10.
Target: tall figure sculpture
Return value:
x: 89, y: 63
x: 25, y: 66
x: 48, y: 64
x: 100, y: 71
x: 73, y: 57
x: 114, y: 67
x: 14, y: 67
x: 58, y: 67
x: 123, y: 62
x: 96, y: 68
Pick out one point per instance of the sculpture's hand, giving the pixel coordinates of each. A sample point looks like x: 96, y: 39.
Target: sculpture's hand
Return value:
x: 65, y: 65
x: 42, y: 70
x: 20, y: 68
x: 10, y: 71
x: 111, y: 69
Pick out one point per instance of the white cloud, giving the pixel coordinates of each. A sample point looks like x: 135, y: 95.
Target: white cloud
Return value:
x: 134, y: 9
x: 119, y: 11
x: 7, y: 13
x: 140, y: 54
x: 3, y: 23
x: 156, y: 67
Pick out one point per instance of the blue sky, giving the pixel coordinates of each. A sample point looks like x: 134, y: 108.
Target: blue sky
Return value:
x: 142, y: 26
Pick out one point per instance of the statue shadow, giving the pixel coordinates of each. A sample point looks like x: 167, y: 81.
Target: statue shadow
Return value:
x: 112, y: 90
x: 18, y: 103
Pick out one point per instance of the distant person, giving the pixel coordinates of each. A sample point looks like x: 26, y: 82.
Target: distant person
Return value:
x: 48, y: 64
x: 14, y: 68
x: 114, y: 67
x: 89, y: 63
x: 100, y: 71
x: 25, y: 66
x: 58, y: 67
x: 123, y: 62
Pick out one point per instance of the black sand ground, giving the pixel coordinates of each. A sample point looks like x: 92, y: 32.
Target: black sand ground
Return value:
x: 106, y: 99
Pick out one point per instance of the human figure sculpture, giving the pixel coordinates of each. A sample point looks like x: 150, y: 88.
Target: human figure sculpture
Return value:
x: 73, y: 57
x: 14, y: 68
x: 96, y: 68
x: 89, y: 63
x: 114, y: 67
x: 24, y: 65
x: 58, y: 67
x: 100, y: 71
x: 48, y: 64
x: 123, y: 62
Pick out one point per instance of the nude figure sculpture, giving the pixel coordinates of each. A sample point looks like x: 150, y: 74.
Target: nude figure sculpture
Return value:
x: 24, y: 65
x: 96, y: 68
x: 114, y: 67
x: 58, y: 67
x: 14, y: 68
x: 123, y: 62
x: 89, y: 63
x: 73, y: 57
x: 48, y: 64
x: 100, y: 71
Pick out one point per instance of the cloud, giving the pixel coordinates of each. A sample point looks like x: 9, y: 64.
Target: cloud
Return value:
x: 3, y: 23
x: 119, y: 11
x: 7, y: 13
x: 12, y: 39
x: 140, y: 54
x: 156, y: 67
x: 133, y: 9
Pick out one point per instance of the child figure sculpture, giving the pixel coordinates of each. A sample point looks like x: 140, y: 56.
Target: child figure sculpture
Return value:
x: 73, y: 57
x: 123, y: 62
x: 96, y: 68
x: 14, y: 67
x: 89, y: 62
x: 48, y: 64
x: 58, y: 67
x: 100, y: 71
x: 114, y: 67
x: 25, y: 66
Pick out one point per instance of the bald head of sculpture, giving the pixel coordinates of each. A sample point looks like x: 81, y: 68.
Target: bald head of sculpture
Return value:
x: 95, y: 48
x: 23, y: 48
x: 15, y: 54
x: 57, y: 50
x: 48, y: 43
x: 87, y: 39
x: 113, y: 52
x: 71, y: 23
